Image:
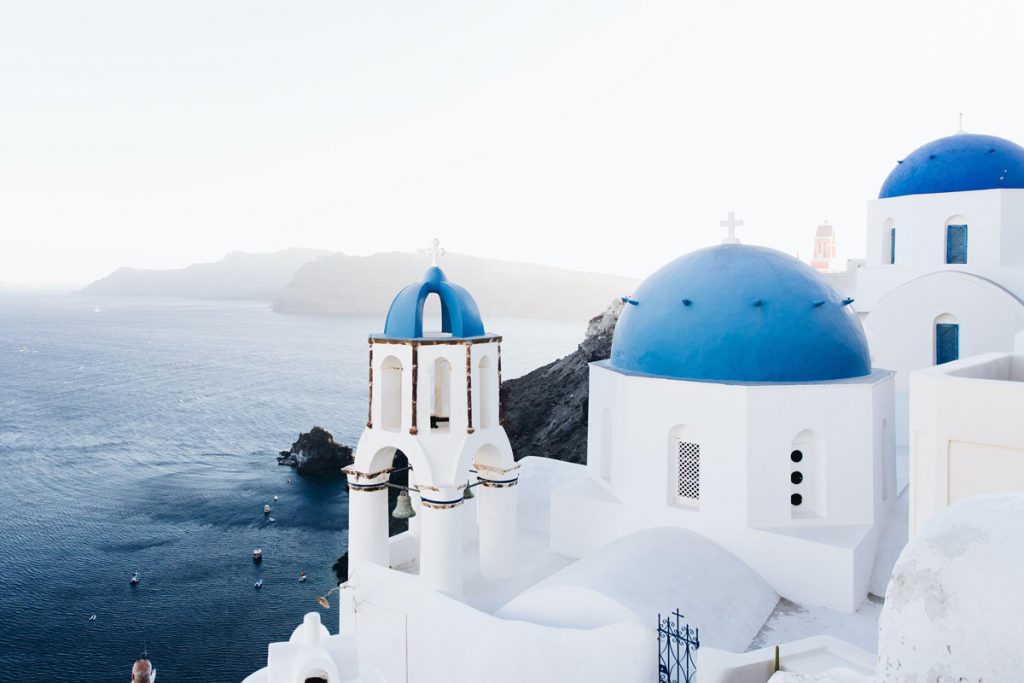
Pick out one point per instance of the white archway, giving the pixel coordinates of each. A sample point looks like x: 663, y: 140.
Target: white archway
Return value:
x: 440, y: 394
x: 487, y: 391
x: 391, y: 394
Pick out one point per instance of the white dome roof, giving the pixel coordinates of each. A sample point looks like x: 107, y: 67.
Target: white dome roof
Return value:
x: 954, y: 603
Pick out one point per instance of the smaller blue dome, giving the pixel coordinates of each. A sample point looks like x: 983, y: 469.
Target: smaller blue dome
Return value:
x: 739, y: 313
x: 460, y: 316
x: 958, y: 163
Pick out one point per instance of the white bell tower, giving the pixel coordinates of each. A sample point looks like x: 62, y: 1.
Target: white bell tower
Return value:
x: 433, y: 396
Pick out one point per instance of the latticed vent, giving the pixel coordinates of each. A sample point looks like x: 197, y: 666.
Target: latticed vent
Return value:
x: 956, y: 244
x: 688, y: 470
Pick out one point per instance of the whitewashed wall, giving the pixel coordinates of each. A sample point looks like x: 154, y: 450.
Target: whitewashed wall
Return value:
x: 901, y: 327
x: 967, y: 432
x: 746, y: 433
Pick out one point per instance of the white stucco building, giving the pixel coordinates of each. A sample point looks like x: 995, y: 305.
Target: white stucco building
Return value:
x: 739, y: 402
x: 742, y: 463
x: 967, y: 435
x: 944, y: 271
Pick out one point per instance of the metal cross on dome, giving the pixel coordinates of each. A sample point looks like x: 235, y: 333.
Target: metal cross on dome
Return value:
x: 731, y: 223
x: 435, y: 251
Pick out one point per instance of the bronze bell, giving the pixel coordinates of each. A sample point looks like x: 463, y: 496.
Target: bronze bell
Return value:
x: 403, y: 506
x: 467, y: 493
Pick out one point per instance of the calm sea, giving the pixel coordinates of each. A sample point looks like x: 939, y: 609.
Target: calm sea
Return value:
x: 141, y: 434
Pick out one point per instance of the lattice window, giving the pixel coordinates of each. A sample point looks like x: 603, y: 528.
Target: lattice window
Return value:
x: 687, y: 470
x: 956, y: 244
x: 947, y: 343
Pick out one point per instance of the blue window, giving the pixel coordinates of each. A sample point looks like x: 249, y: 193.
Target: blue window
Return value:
x: 892, y: 245
x: 956, y: 244
x: 947, y: 342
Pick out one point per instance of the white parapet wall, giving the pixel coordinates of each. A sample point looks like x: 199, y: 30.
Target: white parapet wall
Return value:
x: 966, y: 432
x: 412, y: 633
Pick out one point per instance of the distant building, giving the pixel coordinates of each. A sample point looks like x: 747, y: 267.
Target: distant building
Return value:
x: 944, y: 276
x: 824, y: 259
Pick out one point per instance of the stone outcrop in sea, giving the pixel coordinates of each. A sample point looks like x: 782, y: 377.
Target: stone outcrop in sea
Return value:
x: 545, y: 412
x: 316, y: 453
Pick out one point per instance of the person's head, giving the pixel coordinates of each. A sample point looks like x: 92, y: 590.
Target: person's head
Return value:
x: 143, y: 672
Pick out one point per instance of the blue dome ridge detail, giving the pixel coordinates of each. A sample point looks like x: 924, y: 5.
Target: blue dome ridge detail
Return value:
x: 460, y: 316
x: 739, y: 313
x: 958, y: 163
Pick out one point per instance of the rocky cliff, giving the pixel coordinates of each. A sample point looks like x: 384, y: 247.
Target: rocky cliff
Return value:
x: 316, y: 453
x: 545, y: 412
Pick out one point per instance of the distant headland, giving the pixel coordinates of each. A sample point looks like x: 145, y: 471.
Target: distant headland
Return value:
x: 318, y: 282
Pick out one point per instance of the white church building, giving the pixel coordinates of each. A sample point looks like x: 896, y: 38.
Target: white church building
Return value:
x: 944, y: 270
x: 741, y: 467
x: 739, y: 402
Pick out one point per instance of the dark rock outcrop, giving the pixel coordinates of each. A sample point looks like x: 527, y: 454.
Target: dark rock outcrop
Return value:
x: 545, y: 412
x: 315, y: 453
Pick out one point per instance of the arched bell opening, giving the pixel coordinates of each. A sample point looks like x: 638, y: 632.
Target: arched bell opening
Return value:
x: 391, y: 394
x: 488, y: 393
x: 440, y: 394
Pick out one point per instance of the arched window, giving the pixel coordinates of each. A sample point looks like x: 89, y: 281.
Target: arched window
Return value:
x: 947, y: 339
x: 807, y: 475
x: 432, y: 322
x: 391, y: 394
x: 889, y: 239
x: 956, y: 240
x: 606, y: 445
x: 488, y: 392
x: 684, y: 453
x: 440, y: 394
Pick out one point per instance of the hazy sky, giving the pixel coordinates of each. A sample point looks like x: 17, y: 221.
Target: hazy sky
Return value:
x: 607, y: 136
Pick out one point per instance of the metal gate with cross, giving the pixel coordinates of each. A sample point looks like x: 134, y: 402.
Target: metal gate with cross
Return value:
x: 676, y: 644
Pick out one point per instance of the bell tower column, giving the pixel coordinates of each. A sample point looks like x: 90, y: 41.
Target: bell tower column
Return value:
x: 367, y: 520
x: 497, y: 517
x: 441, y: 540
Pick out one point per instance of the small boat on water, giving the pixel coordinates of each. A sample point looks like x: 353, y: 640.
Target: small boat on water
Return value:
x: 266, y: 509
x: 275, y: 499
x: 135, y: 578
x: 257, y: 554
x: 302, y: 577
x: 92, y: 618
x: 258, y: 584
x: 272, y: 519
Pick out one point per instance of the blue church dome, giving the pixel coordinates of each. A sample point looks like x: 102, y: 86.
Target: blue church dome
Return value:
x: 460, y: 316
x: 957, y: 163
x: 738, y: 313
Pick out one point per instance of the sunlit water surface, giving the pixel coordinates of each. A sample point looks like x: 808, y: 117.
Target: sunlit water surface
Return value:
x: 141, y: 434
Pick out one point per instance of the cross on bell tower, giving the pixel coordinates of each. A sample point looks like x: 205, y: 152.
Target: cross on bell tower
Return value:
x: 435, y: 251
x: 731, y: 223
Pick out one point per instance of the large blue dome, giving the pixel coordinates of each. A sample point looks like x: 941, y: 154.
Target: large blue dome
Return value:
x: 738, y: 313
x: 460, y: 316
x: 957, y: 163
